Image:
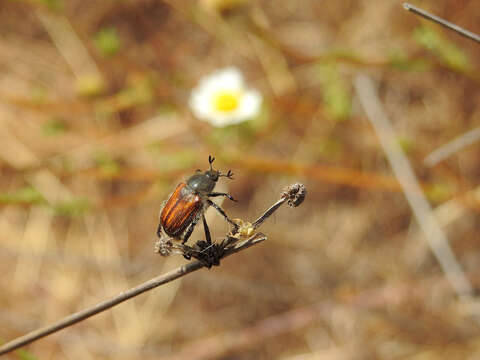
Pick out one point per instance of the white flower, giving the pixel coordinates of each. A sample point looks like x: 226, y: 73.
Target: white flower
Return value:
x: 222, y: 99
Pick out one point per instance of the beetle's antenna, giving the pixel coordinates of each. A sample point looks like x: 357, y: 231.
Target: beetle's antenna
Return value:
x: 229, y: 174
x: 211, y: 159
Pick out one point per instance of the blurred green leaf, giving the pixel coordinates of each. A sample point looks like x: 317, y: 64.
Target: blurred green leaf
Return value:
x: 168, y: 161
x: 336, y: 93
x: 25, y: 195
x: 166, y: 109
x: 107, y: 165
x: 446, y: 50
x: 54, y: 127
x: 345, y: 54
x: 440, y: 192
x: 406, y: 144
x: 52, y: 4
x: 107, y: 41
x: 400, y: 60
x: 25, y: 355
x: 38, y: 95
x: 327, y: 148
x: 90, y: 85
x: 138, y: 91
x: 73, y: 208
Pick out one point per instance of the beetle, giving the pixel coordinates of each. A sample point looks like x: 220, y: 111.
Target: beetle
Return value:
x: 188, y: 203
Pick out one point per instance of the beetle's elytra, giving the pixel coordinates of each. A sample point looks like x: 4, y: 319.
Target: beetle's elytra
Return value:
x: 188, y: 203
x: 180, y: 210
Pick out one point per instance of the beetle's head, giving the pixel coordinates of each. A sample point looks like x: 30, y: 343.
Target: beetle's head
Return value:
x: 205, y: 182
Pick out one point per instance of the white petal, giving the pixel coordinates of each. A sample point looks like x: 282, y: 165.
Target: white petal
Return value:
x: 200, y: 104
x: 230, y: 79
x: 250, y: 104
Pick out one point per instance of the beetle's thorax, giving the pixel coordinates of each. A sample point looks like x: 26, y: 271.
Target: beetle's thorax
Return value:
x: 203, y: 183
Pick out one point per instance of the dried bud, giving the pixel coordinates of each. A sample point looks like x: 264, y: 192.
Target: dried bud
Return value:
x: 244, y: 229
x: 164, y: 247
x: 294, y: 194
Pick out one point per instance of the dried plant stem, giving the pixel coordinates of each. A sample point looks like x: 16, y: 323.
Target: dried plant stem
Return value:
x: 425, y: 14
x: 107, y: 304
x: 452, y: 147
x: 293, y: 195
x: 436, y: 238
x: 268, y: 212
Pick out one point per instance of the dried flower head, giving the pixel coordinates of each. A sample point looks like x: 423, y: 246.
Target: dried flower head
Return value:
x: 295, y: 194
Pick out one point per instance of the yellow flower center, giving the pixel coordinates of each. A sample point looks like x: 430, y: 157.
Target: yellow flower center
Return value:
x: 226, y: 101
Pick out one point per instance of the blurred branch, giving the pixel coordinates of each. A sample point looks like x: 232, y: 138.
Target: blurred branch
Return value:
x: 215, y: 26
x: 293, y: 195
x: 425, y: 14
x: 393, y: 295
x: 402, y: 169
x: 69, y: 45
x: 452, y: 147
x: 328, y: 174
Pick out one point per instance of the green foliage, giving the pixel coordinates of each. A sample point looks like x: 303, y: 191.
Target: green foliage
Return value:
x: 169, y: 161
x: 405, y: 144
x: 72, y: 208
x: 107, y: 41
x: 140, y: 91
x: 327, y: 149
x: 25, y: 355
x: 399, y: 60
x: 336, y: 93
x: 108, y: 166
x: 166, y: 109
x: 344, y: 54
x: 25, y: 195
x: 447, y: 51
x: 54, y: 127
x: 52, y: 4
x: 439, y: 192
x: 38, y: 95
x: 89, y: 85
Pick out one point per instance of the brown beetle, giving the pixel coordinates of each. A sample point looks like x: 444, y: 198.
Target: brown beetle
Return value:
x: 188, y: 204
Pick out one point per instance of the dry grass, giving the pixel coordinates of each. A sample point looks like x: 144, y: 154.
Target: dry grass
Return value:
x: 96, y: 132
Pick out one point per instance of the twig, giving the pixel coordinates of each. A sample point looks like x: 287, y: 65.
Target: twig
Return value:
x: 444, y: 23
x: 69, y: 44
x: 452, y: 147
x: 294, y: 195
x: 402, y: 169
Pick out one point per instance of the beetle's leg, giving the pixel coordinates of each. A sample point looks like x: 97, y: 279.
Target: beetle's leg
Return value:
x: 214, y: 194
x: 189, y: 230
x: 220, y: 210
x: 207, y: 230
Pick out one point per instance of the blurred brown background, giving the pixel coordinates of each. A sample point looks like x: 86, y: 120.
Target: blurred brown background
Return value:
x: 96, y: 132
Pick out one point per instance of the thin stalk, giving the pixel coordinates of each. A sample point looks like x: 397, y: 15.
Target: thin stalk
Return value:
x: 294, y: 194
x: 425, y: 14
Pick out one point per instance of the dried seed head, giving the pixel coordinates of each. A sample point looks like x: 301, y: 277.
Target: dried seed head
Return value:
x: 294, y: 194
